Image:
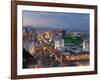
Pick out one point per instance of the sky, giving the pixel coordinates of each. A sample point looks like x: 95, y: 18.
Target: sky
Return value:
x: 75, y: 21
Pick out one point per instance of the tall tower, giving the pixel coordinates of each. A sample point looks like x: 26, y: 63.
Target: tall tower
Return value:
x: 32, y: 48
x: 59, y: 43
x: 63, y: 32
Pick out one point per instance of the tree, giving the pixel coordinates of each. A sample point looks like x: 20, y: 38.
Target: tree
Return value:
x: 73, y: 40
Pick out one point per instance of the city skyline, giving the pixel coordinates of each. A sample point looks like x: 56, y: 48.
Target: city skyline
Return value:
x: 55, y: 39
x: 74, y: 21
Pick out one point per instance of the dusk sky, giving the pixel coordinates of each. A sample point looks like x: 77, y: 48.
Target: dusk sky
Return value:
x: 77, y: 21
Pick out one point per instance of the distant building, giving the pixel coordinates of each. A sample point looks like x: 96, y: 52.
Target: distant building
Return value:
x: 32, y: 47
x: 77, y: 34
x: 29, y: 41
x: 86, y: 45
x: 26, y: 45
x: 63, y: 33
x: 59, y: 43
x: 59, y: 38
x: 48, y: 35
x: 85, y: 35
